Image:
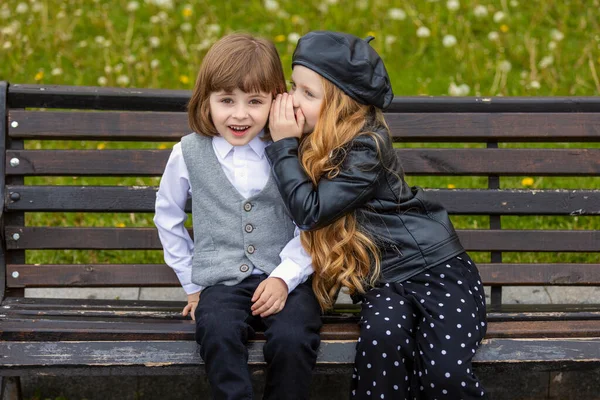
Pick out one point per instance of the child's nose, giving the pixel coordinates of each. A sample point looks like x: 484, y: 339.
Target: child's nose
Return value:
x: 240, y: 111
x: 295, y: 102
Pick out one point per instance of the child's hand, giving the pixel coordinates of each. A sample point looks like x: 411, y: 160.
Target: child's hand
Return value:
x: 282, y: 121
x: 269, y: 297
x: 191, y: 305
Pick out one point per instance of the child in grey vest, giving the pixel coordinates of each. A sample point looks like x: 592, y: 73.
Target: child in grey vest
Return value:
x: 245, y: 267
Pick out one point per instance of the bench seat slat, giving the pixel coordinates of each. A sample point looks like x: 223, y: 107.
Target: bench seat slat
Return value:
x: 160, y: 275
x: 39, y: 329
x: 147, y: 239
x: 457, y: 201
x: 422, y: 127
x: 516, y: 162
x: 20, y: 357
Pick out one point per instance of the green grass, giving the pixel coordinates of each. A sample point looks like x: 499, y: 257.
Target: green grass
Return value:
x: 503, y: 48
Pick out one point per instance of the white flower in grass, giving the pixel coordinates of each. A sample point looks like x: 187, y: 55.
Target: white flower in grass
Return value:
x: 154, y: 63
x: 102, y: 81
x: 499, y: 16
x: 453, y: 90
x: 390, y: 40
x: 397, y: 14
x: 108, y: 69
x: 293, y: 37
x: 493, y: 36
x: 100, y: 40
x: 61, y: 14
x: 453, y: 5
x: 168, y: 4
x: 480, y: 11
x: 332, y: 1
x: 514, y: 3
x: 123, y: 80
x: 557, y: 35
x: 546, y: 62
x: 323, y: 8
x: 56, y: 71
x: 37, y: 7
x: 213, y: 29
x: 449, y: 41
x: 423, y: 32
x: 22, y: 8
x: 534, y: 85
x: 186, y: 27
x: 505, y: 66
x: 7, y: 45
x: 118, y: 68
x: 82, y: 44
x: 551, y: 45
x: 130, y: 59
x: 133, y: 6
x: 154, y: 19
x: 271, y: 5
x: 78, y: 12
x: 154, y: 41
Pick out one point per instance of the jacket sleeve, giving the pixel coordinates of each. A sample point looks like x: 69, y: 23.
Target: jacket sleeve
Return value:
x: 315, y: 207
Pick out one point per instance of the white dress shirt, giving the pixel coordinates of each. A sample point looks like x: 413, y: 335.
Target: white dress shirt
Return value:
x: 248, y: 170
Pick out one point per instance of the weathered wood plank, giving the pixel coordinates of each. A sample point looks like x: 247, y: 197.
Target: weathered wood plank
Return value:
x: 160, y: 275
x: 20, y: 357
x: 147, y: 239
x: 518, y: 162
x: 421, y: 127
x: 456, y: 201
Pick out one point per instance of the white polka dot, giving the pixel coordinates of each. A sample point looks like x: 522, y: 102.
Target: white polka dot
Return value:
x: 388, y: 333
x: 463, y: 384
x: 422, y: 301
x: 483, y: 324
x: 459, y: 362
x: 442, y: 276
x: 441, y: 317
x: 378, y: 295
x: 462, y: 300
x: 364, y: 354
x: 368, y: 392
x: 462, y: 345
x: 374, y: 383
x: 432, y: 362
x: 383, y: 396
x: 441, y: 304
x: 368, y: 326
x: 444, y: 352
x: 384, y: 373
x: 428, y: 293
x: 468, y: 370
x: 447, y: 375
x: 387, y: 318
x: 469, y: 334
x: 395, y: 387
x: 387, y: 299
x: 399, y: 326
x: 390, y: 307
x: 458, y: 310
x: 431, y: 325
x: 459, y: 282
x: 369, y: 366
x: 448, y: 337
x: 431, y: 345
x: 447, y: 294
x: 401, y: 302
x: 377, y: 313
x: 425, y: 335
x: 396, y: 363
x: 458, y: 326
x: 384, y: 355
x: 432, y: 385
x: 447, y: 265
x: 374, y: 342
x: 445, y: 391
x: 476, y: 384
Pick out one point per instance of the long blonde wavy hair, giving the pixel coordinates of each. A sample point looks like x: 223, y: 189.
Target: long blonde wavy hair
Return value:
x: 342, y: 254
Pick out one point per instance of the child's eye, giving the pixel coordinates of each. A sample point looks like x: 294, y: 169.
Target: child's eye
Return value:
x: 226, y: 100
x: 293, y: 86
x: 308, y: 93
x: 255, y: 102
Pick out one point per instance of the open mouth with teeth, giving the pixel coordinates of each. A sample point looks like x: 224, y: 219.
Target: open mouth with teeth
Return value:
x: 239, y: 130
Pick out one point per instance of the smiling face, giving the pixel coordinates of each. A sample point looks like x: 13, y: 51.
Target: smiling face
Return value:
x: 239, y: 116
x: 307, y: 92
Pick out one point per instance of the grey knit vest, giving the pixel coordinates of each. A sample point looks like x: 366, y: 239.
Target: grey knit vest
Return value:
x: 231, y: 234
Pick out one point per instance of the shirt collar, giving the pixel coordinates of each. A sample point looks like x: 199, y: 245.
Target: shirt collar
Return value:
x: 223, y: 147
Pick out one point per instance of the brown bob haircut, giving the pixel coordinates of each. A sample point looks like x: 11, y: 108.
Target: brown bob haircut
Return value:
x: 240, y: 61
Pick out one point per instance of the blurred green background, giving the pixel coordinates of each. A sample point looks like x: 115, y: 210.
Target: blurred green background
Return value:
x: 430, y: 47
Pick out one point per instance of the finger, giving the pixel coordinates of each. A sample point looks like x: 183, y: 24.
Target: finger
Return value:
x: 268, y: 304
x: 185, y: 310
x: 274, y: 309
x: 282, y: 105
x: 300, y: 119
x: 193, y: 311
x: 259, y: 291
x: 289, y: 108
x: 275, y: 108
x: 264, y: 297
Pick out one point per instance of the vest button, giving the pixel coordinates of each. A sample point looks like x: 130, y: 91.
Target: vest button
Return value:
x: 244, y: 268
x: 250, y: 249
x: 249, y: 228
x: 247, y: 207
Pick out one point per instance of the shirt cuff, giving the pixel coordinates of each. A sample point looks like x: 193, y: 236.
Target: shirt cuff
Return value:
x: 289, y: 272
x: 192, y: 288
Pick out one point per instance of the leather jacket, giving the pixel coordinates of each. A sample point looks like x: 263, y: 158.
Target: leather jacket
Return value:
x: 413, y: 232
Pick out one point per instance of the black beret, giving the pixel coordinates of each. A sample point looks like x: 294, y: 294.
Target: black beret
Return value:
x: 348, y: 62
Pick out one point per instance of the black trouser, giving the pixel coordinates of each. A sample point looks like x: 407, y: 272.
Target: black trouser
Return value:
x: 418, y: 337
x: 224, y: 323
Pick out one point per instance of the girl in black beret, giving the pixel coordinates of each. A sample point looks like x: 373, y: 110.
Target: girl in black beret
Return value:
x: 395, y: 249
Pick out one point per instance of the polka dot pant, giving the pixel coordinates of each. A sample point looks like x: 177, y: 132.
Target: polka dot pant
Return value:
x: 418, y: 337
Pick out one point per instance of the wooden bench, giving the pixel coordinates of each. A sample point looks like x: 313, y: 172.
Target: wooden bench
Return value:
x: 58, y: 336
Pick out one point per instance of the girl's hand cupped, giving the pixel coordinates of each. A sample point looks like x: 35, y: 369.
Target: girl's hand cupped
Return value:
x: 283, y: 121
